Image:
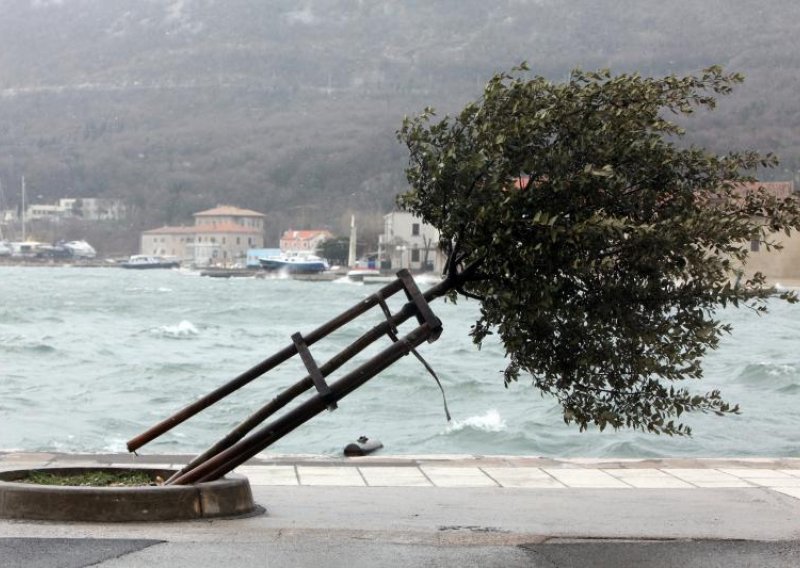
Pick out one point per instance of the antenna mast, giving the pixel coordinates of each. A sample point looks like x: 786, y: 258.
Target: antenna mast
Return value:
x: 24, y: 239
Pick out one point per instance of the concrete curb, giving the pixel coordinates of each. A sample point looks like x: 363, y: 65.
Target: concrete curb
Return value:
x: 227, y: 497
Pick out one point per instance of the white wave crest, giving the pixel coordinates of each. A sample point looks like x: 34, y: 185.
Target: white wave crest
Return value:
x: 491, y: 421
x: 183, y: 330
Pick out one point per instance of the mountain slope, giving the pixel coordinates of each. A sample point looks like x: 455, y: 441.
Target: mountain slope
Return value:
x: 290, y: 106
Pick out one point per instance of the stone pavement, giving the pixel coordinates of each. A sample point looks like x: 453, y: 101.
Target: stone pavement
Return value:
x: 779, y: 475
x: 451, y: 510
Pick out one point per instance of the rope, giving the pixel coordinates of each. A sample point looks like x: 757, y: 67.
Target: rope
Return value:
x: 392, y: 332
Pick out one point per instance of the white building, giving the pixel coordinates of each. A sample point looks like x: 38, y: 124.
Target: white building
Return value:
x: 48, y: 212
x: 94, y: 208
x: 409, y: 243
x: 87, y: 208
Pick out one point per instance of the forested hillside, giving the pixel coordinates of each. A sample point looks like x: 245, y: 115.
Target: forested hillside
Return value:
x: 290, y: 106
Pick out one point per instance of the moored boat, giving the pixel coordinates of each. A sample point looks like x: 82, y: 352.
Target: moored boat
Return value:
x: 80, y: 249
x: 295, y: 263
x: 359, y: 274
x: 141, y: 261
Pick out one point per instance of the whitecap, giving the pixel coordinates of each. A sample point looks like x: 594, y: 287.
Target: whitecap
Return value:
x: 491, y: 421
x: 184, y: 330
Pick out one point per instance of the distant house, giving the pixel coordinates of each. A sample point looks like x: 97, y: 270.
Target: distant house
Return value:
x: 86, y: 208
x: 220, y: 236
x: 227, y: 214
x: 300, y: 241
x: 779, y: 266
x: 409, y: 243
x: 168, y: 241
x: 94, y: 208
x: 46, y: 212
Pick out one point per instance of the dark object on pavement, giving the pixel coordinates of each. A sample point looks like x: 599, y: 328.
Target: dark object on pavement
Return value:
x: 362, y: 447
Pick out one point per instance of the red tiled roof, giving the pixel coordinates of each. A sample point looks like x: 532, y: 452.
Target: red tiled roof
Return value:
x: 217, y: 228
x: 170, y: 231
x: 305, y: 235
x: 228, y: 210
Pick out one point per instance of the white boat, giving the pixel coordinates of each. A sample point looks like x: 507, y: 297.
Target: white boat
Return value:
x: 80, y: 249
x: 142, y: 262
x: 359, y: 274
x: 295, y: 263
x: 5, y: 249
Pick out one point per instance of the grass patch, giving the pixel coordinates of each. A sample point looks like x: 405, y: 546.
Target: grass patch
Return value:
x: 91, y: 479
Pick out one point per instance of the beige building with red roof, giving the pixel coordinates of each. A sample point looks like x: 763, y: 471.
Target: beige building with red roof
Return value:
x: 299, y: 241
x: 227, y: 214
x: 168, y: 241
x: 220, y: 236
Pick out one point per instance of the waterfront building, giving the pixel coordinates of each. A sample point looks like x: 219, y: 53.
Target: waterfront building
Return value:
x: 779, y: 266
x: 94, y: 208
x: 409, y: 243
x: 168, y: 241
x: 220, y: 236
x: 86, y: 208
x: 304, y: 241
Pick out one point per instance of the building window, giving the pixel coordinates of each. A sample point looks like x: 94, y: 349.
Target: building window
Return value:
x: 755, y: 245
x: 415, y: 230
x: 415, y: 255
x: 238, y: 240
x: 223, y: 240
x: 249, y: 240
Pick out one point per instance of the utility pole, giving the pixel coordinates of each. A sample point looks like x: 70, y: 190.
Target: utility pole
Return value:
x: 2, y: 211
x: 351, y: 253
x: 24, y: 239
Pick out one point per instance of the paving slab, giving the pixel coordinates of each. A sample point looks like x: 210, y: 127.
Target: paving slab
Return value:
x: 522, y: 477
x: 709, y: 478
x: 648, y: 479
x: 388, y: 476
x: 755, y: 473
x: 269, y: 474
x: 791, y: 491
x: 586, y: 478
x: 329, y: 475
x: 446, y: 476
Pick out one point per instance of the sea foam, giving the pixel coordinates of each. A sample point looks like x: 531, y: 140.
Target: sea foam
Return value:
x: 184, y: 330
x: 491, y: 421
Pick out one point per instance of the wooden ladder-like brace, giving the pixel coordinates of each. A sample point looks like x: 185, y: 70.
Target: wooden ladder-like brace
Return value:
x: 245, y: 441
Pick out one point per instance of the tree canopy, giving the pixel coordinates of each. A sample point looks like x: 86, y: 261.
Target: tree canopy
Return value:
x: 599, y: 246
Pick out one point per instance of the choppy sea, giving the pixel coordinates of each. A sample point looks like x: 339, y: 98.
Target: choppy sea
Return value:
x: 90, y: 357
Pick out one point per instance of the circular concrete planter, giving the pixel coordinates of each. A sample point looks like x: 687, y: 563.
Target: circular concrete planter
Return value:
x: 227, y: 497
